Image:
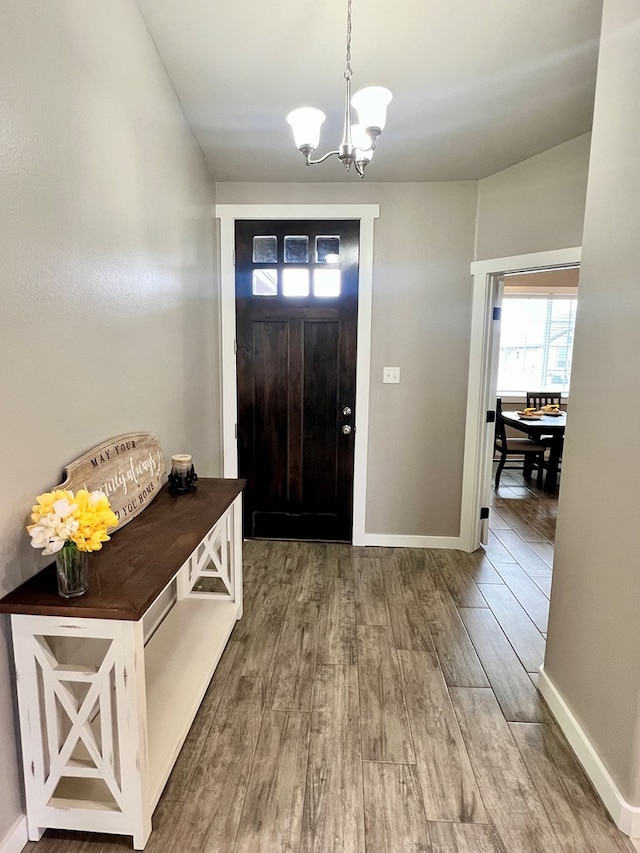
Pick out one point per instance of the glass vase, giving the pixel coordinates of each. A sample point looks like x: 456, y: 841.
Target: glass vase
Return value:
x: 72, y: 569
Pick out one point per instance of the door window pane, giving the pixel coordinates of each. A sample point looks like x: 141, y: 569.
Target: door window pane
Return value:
x: 295, y: 282
x: 326, y: 283
x: 264, y: 282
x: 327, y: 250
x: 296, y: 250
x: 265, y: 250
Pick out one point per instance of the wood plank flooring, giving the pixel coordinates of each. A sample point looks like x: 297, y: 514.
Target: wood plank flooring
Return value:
x: 379, y: 700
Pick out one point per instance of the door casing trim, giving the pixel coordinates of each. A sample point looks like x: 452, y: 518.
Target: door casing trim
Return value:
x: 366, y: 214
x: 480, y: 394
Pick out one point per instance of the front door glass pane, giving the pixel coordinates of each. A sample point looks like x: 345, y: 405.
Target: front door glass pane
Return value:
x: 264, y: 282
x: 265, y: 250
x: 326, y: 283
x: 296, y: 250
x: 327, y: 249
x: 295, y: 282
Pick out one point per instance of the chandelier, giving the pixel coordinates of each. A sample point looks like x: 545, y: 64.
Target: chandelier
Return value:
x: 358, y: 140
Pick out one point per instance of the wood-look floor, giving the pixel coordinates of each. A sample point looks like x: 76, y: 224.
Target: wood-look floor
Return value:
x: 376, y: 700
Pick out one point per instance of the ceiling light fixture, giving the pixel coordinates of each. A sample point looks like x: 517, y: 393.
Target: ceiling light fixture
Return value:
x: 358, y: 140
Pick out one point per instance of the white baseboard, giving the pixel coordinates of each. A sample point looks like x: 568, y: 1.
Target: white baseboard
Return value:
x: 625, y: 816
x: 16, y: 838
x: 394, y: 540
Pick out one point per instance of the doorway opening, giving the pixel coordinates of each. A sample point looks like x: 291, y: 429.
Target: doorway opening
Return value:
x: 488, y: 279
x: 366, y: 214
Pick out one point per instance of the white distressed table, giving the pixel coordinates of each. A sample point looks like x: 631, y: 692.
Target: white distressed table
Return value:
x: 109, y: 684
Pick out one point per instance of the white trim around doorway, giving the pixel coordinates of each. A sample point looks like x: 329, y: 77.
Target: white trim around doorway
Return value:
x: 367, y: 214
x: 480, y: 394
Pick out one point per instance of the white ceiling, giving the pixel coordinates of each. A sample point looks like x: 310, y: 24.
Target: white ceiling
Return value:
x: 477, y: 86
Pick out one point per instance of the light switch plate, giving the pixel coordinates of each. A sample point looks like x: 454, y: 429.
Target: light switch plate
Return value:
x: 391, y: 375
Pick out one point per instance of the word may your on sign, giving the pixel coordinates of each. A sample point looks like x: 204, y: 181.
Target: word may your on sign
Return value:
x: 127, y: 468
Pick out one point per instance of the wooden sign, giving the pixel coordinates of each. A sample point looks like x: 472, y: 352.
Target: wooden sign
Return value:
x: 128, y: 469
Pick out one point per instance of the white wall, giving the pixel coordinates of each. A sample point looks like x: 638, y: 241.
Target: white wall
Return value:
x: 535, y: 205
x: 594, y: 628
x: 108, y: 314
x: 421, y: 322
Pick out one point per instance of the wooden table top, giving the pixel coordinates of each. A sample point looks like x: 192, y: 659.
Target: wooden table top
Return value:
x: 546, y: 424
x: 133, y: 568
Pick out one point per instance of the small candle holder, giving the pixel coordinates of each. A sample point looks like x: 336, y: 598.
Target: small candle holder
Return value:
x: 182, y: 478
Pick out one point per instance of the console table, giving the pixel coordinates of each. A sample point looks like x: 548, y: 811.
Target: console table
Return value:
x: 109, y: 683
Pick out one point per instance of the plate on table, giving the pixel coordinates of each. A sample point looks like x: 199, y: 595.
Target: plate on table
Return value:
x: 554, y: 414
x: 530, y: 416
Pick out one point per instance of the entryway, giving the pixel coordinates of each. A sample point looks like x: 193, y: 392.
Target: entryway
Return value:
x: 296, y: 321
x: 365, y: 215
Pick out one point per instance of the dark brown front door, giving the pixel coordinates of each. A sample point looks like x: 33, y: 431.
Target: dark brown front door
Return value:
x: 296, y: 309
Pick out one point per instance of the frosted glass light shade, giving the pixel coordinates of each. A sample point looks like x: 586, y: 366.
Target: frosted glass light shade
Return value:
x: 362, y: 143
x: 306, y: 122
x: 371, y: 104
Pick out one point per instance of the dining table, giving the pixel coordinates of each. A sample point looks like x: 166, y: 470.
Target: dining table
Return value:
x: 552, y: 426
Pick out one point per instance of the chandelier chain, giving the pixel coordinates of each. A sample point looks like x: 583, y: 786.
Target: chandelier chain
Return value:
x: 371, y: 105
x: 347, y: 71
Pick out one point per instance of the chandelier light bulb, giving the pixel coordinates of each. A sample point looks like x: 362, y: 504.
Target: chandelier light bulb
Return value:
x: 371, y: 104
x: 362, y: 143
x: 306, y: 123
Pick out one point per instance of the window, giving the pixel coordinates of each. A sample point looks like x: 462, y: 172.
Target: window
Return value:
x: 536, y: 343
x: 264, y: 282
x: 326, y: 283
x: 307, y: 270
x: 265, y: 250
x: 295, y: 282
x: 296, y: 250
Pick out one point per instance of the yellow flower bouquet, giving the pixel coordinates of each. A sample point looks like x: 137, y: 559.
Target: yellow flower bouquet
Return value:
x: 70, y: 525
x: 61, y: 516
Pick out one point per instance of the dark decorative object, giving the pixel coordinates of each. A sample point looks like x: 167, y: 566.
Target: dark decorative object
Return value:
x: 72, y: 570
x: 182, y: 478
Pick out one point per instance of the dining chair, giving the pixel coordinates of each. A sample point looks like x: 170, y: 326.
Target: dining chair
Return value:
x: 538, y: 399
x: 530, y: 452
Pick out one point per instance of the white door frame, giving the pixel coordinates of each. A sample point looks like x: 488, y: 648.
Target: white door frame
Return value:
x: 480, y: 393
x: 366, y: 213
